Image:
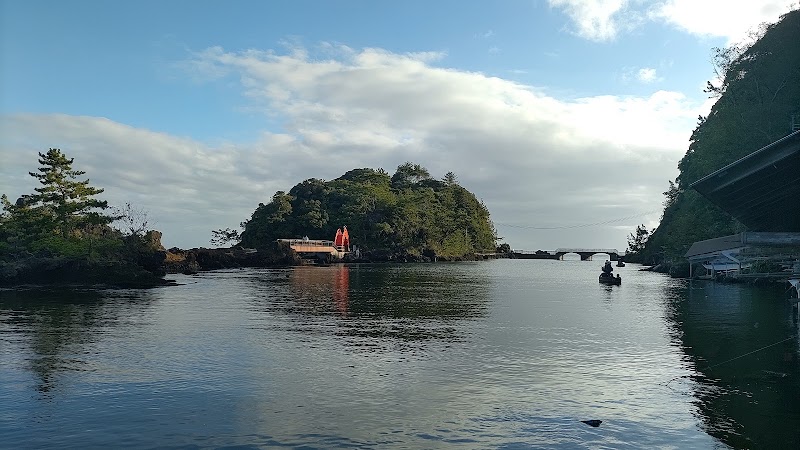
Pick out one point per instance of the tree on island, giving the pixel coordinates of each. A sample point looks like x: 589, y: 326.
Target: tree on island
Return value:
x: 69, y: 203
x: 60, y: 233
x: 408, y: 215
x: 225, y: 236
x: 62, y: 207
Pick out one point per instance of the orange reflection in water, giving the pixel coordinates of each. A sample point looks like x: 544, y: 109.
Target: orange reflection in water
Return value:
x: 319, y: 283
x: 341, y: 288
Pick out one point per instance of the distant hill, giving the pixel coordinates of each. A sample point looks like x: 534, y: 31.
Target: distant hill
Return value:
x: 756, y: 101
x: 408, y: 214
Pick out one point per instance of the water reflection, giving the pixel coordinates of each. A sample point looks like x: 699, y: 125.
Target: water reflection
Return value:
x: 318, y: 285
x: 411, y: 356
x: 410, y: 303
x: 55, y: 327
x: 744, y: 347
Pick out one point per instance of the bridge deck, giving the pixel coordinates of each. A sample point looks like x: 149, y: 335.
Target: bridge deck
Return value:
x: 585, y: 253
x: 588, y: 250
x: 299, y: 248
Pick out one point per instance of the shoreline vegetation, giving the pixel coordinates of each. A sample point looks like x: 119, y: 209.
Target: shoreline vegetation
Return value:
x: 62, y: 234
x: 757, y: 92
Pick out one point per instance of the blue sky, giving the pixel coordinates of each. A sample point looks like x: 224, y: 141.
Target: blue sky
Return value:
x: 557, y: 113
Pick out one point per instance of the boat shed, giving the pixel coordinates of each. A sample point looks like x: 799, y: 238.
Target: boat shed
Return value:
x: 740, y: 254
x: 762, y: 191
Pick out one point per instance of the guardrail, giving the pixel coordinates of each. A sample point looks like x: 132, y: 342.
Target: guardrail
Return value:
x: 308, y: 242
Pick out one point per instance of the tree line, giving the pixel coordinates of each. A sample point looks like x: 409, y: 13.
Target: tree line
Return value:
x: 757, y: 98
x: 407, y: 213
x: 62, y: 229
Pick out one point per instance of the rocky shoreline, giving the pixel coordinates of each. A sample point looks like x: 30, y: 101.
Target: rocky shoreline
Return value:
x: 202, y: 259
x: 38, y: 270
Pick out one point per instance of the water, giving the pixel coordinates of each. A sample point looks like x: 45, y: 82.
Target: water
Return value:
x: 496, y: 354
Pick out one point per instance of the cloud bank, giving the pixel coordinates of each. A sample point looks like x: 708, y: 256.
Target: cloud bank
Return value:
x: 536, y: 161
x: 603, y: 20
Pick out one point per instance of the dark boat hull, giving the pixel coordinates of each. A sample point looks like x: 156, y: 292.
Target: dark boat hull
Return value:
x: 610, y: 280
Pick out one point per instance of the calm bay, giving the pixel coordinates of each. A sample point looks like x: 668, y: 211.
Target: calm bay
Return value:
x: 493, y: 354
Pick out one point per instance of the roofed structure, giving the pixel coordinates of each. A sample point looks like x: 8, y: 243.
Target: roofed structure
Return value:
x: 761, y: 190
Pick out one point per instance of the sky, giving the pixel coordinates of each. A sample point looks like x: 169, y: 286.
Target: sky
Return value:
x: 567, y: 118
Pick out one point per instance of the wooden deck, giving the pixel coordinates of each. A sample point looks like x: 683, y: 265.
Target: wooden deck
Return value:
x: 315, y: 248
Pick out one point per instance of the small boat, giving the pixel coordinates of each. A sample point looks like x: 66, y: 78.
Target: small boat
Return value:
x: 607, y: 278
x: 620, y: 263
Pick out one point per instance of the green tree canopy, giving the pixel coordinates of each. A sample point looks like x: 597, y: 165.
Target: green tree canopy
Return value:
x: 757, y: 97
x: 66, y: 201
x: 409, y: 212
x: 63, y: 218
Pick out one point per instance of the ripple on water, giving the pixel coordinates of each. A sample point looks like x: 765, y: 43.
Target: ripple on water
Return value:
x: 505, y: 354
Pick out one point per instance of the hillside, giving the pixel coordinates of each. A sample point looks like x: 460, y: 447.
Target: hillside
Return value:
x: 757, y: 98
x: 408, y: 215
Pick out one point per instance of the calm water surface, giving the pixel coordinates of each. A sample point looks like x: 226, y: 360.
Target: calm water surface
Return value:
x: 496, y: 354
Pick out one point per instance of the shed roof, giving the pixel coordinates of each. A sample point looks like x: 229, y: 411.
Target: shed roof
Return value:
x: 711, y: 247
x: 761, y: 190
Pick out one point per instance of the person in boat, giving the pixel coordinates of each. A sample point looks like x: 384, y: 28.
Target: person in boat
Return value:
x: 607, y: 269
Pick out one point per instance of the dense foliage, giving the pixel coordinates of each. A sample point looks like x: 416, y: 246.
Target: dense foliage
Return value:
x: 59, y: 215
x: 757, y: 98
x: 637, y: 241
x: 61, y: 233
x: 409, y: 213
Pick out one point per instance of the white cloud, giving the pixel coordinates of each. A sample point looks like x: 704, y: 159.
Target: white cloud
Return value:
x: 186, y: 187
x: 721, y: 18
x: 534, y: 160
x: 644, y: 75
x: 599, y: 20
x: 603, y: 20
x: 647, y: 75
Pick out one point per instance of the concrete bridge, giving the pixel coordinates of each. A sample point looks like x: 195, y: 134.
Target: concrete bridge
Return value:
x: 585, y: 253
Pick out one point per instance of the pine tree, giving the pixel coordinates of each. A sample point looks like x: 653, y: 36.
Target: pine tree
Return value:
x: 637, y: 242
x: 68, y: 202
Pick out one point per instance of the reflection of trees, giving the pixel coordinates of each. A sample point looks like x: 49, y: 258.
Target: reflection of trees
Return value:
x: 418, y: 292
x: 321, y: 290
x: 410, y: 302
x: 745, y: 401
x: 58, y: 326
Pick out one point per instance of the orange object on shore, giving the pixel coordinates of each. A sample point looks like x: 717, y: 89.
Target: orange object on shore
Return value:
x: 345, y: 239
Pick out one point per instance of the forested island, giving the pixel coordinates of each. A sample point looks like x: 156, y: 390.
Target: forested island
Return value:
x: 758, y: 98
x: 409, y: 216
x: 63, y: 234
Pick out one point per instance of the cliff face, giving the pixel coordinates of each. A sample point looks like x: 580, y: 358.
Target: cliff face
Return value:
x: 756, y: 102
